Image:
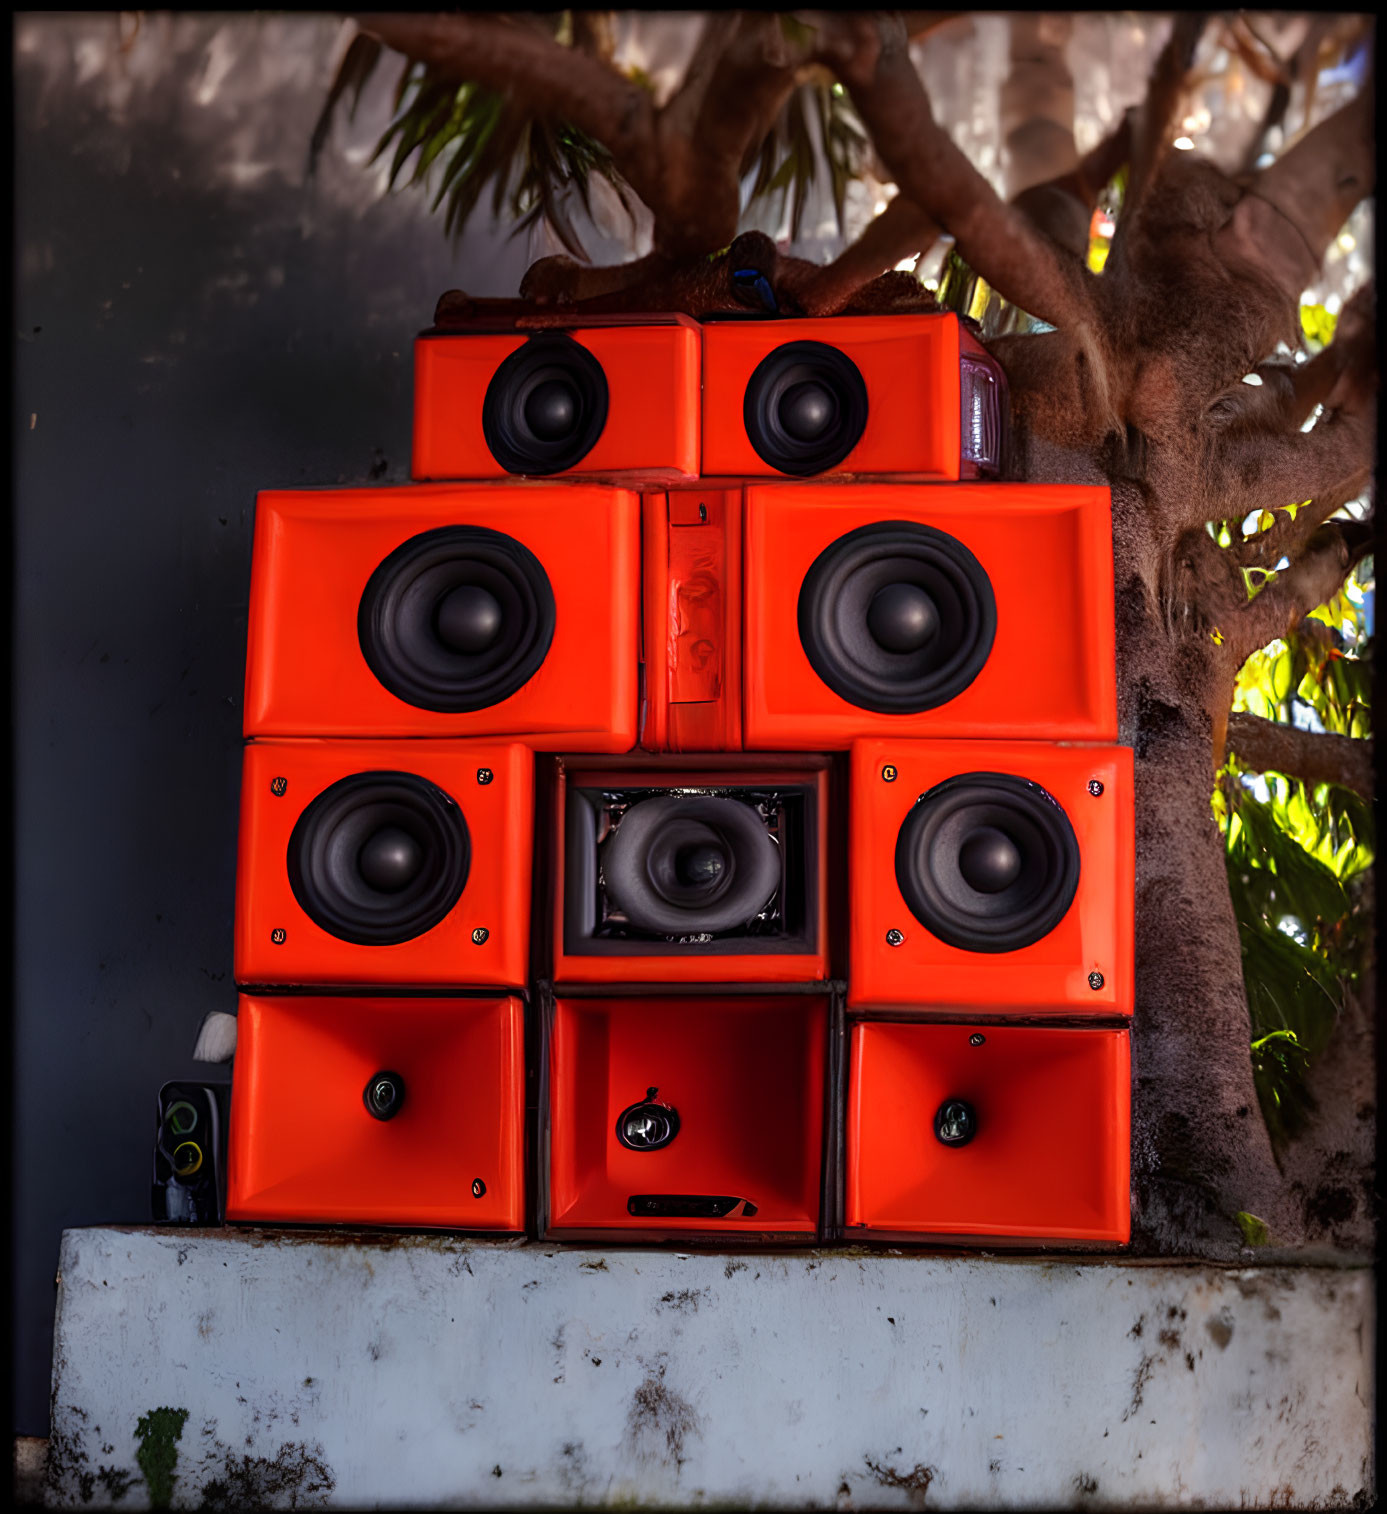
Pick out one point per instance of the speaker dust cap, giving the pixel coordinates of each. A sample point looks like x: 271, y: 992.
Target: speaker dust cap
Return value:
x: 546, y: 406
x: 897, y: 617
x: 457, y: 619
x: 379, y: 858
x: 805, y: 408
x: 988, y: 862
x: 681, y: 864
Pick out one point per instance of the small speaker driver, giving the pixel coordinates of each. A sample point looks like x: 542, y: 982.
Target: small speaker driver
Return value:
x: 545, y: 407
x: 457, y: 619
x: 805, y: 408
x: 897, y: 617
x: 379, y: 858
x: 690, y: 864
x: 988, y: 862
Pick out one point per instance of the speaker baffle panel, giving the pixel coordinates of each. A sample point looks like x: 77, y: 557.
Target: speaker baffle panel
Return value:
x: 987, y: 862
x: 457, y: 619
x: 546, y: 406
x: 379, y: 858
x: 897, y: 617
x: 680, y: 865
x: 805, y: 408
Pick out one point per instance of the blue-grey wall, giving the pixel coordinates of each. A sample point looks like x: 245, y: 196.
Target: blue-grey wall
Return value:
x: 193, y: 323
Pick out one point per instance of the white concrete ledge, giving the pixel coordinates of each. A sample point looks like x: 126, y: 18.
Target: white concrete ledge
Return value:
x: 427, y: 1371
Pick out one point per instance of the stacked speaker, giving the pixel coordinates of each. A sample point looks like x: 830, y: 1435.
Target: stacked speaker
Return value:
x: 690, y: 809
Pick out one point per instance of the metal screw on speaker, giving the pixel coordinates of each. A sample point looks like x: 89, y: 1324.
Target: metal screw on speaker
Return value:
x: 1095, y: 981
x: 976, y: 1039
x: 484, y: 776
x: 1095, y: 787
x: 384, y: 1095
x: 955, y: 1124
x: 478, y: 1188
x: 894, y: 937
x: 278, y: 786
x: 648, y: 1125
x: 479, y: 936
x: 277, y: 935
x: 889, y: 773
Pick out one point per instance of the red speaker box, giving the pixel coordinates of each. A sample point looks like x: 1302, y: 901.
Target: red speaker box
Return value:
x: 996, y: 1132
x: 452, y: 610
x: 404, y: 863
x: 686, y: 1115
x: 668, y: 873
x: 379, y: 1111
x: 981, y: 610
x: 912, y: 395
x: 996, y: 877
x: 622, y: 396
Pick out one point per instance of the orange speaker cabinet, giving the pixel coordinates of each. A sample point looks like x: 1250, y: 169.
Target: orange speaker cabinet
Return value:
x: 593, y: 400
x: 379, y: 1111
x: 998, y: 1132
x: 693, y: 621
x: 909, y: 395
x: 612, y: 916
x: 994, y: 877
x: 447, y: 610
x: 401, y: 863
x: 981, y: 610
x: 669, y: 1116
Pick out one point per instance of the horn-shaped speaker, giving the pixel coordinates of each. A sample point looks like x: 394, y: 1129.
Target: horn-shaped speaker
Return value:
x: 980, y: 610
x: 618, y: 396
x: 379, y: 1111
x: 996, y: 876
x: 466, y: 610
x: 913, y: 395
x: 457, y: 619
x: 670, y: 1116
x: 405, y: 863
x: 989, y: 1131
x: 691, y: 875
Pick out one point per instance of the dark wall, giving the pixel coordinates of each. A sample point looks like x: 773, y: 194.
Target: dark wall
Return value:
x: 193, y: 324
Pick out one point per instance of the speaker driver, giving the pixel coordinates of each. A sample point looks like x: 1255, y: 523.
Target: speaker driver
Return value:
x: 897, y: 617
x: 545, y: 407
x: 379, y: 858
x: 457, y: 619
x: 688, y: 864
x: 988, y: 862
x: 805, y: 407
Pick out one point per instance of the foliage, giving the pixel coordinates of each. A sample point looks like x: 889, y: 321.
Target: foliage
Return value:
x: 1297, y: 854
x: 158, y: 1433
x: 787, y: 162
x: 1255, y: 1232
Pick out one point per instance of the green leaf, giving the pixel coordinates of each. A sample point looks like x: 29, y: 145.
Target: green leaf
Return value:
x: 1254, y: 1231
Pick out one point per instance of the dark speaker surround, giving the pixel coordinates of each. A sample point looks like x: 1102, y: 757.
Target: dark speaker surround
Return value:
x: 457, y: 619
x: 325, y: 858
x: 1011, y: 838
x: 897, y: 617
x: 546, y: 406
x: 805, y: 408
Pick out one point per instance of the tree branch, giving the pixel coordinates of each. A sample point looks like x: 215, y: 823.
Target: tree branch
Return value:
x: 1037, y: 102
x: 1313, y: 756
x: 999, y: 242
x: 1315, y: 578
x: 1152, y: 136
x: 1288, y: 536
x: 900, y: 230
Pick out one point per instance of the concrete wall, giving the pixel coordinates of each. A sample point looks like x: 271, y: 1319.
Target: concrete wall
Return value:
x: 423, y: 1372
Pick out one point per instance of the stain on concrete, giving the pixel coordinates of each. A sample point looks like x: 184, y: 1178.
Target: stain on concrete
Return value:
x: 658, y: 1414
x: 685, y: 1301
x: 1220, y: 1328
x: 295, y: 1475
x: 915, y: 1482
x: 1086, y: 1484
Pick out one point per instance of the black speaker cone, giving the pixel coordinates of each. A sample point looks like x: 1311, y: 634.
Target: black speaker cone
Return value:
x: 681, y: 864
x: 379, y: 858
x: 545, y: 407
x: 955, y: 1123
x: 457, y: 619
x: 897, y: 617
x: 384, y: 1095
x: 988, y: 862
x: 805, y: 408
x: 647, y: 1126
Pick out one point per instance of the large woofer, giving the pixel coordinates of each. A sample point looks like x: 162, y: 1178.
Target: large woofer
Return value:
x: 457, y: 619
x: 379, y: 858
x: 897, y: 617
x: 987, y: 862
x: 805, y: 407
x: 546, y: 406
x: 681, y: 865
